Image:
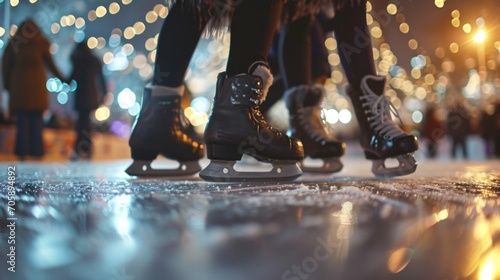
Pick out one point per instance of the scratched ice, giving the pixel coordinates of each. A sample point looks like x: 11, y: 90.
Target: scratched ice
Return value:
x: 92, y: 221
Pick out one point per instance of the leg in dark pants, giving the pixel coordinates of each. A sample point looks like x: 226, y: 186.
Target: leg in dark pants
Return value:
x: 36, y: 131
x: 252, y: 32
x: 22, y: 135
x: 295, y: 53
x: 83, y: 143
x: 354, y: 42
x: 177, y: 41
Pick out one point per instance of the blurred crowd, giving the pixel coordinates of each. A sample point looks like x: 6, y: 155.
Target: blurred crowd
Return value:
x: 458, y: 126
x: 25, y: 63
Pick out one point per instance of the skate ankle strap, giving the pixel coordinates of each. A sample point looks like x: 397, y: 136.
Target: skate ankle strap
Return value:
x: 246, y: 90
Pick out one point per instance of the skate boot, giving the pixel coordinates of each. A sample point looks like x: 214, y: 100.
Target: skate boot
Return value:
x: 158, y: 130
x: 303, y: 103
x: 380, y: 137
x: 237, y: 126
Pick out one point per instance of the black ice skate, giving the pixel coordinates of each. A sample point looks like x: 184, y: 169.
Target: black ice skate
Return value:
x: 380, y: 137
x: 158, y: 130
x: 306, y: 124
x: 237, y: 126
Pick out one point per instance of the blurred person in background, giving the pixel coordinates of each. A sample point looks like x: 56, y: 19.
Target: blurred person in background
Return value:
x: 24, y: 64
x: 496, y: 122
x: 459, y: 127
x: 89, y: 94
x: 487, y: 129
x: 433, y: 131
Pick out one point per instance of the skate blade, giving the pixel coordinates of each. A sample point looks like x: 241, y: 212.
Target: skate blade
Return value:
x: 407, y: 165
x: 330, y: 165
x: 223, y: 171
x: 142, y: 168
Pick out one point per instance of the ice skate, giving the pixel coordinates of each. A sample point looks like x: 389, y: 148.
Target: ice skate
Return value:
x: 158, y: 130
x: 380, y: 137
x: 237, y: 126
x: 303, y: 103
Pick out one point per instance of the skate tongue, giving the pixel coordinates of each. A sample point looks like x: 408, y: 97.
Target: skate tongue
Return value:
x: 374, y: 84
x: 246, y: 90
x: 303, y: 96
x: 165, y: 91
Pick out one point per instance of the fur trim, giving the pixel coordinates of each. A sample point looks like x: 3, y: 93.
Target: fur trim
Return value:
x: 267, y: 79
x: 295, y: 9
x: 165, y: 91
x: 295, y: 95
x: 304, y: 96
x: 217, y: 13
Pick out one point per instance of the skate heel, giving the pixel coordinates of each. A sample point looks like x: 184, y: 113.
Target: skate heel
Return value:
x: 371, y: 156
x: 140, y: 154
x: 223, y: 152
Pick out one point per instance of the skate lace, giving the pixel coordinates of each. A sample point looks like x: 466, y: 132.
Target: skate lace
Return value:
x: 305, y: 122
x: 260, y: 118
x: 381, y: 121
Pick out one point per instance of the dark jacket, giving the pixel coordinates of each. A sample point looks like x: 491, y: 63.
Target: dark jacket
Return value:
x: 458, y: 122
x: 87, y: 72
x: 23, y: 67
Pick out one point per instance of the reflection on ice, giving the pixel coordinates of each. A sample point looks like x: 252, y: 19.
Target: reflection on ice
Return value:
x: 106, y: 225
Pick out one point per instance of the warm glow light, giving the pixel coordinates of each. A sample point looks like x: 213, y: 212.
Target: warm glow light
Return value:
x: 14, y: 3
x: 376, y: 32
x: 404, y: 27
x: 455, y: 14
x: 54, y: 28
x: 497, y: 45
x: 439, y: 3
x: 101, y: 11
x: 443, y: 215
x: 368, y: 6
x: 439, y: 52
x: 92, y: 42
x: 392, y: 9
x: 331, y: 44
x: 413, y: 44
x: 454, y: 47
x: 429, y: 79
x: 334, y: 59
x: 337, y: 77
x: 129, y: 33
x: 92, y: 15
x: 102, y: 114
x: 150, y: 44
x: 139, y: 27
x: 399, y: 259
x: 455, y: 22
x: 416, y: 73
x: 480, y: 36
x: 467, y: 28
x: 114, y: 8
x: 108, y: 57
x: 480, y: 22
x: 151, y: 16
x: 101, y: 42
x: 80, y: 22
x: 369, y: 19
x: 126, y: 2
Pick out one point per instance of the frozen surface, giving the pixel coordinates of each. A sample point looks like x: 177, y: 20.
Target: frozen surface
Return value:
x: 92, y: 221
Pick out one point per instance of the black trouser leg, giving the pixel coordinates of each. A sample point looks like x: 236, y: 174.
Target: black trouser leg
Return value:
x: 354, y: 42
x: 177, y: 42
x: 252, y: 29
x: 295, y: 53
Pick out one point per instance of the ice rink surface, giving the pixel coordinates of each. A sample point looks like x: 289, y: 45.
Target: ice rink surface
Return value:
x: 92, y: 221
